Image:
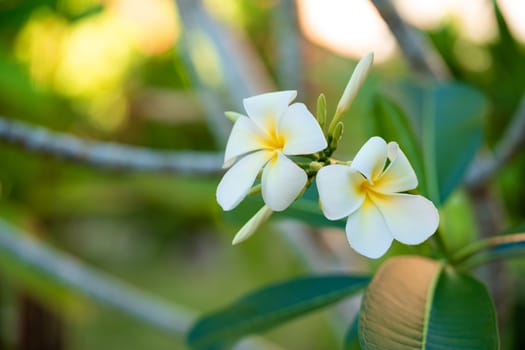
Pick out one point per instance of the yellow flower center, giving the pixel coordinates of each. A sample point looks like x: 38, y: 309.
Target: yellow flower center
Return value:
x: 366, y: 186
x: 273, y: 140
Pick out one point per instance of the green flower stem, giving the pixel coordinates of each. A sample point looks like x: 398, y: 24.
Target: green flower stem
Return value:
x: 337, y: 117
x: 442, y: 246
x: 255, y: 189
x: 490, y: 249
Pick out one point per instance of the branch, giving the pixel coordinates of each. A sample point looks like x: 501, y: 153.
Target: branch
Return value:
x: 511, y: 143
x: 419, y: 52
x: 287, y: 45
x: 106, y: 154
x: 242, y: 70
x: 66, y: 272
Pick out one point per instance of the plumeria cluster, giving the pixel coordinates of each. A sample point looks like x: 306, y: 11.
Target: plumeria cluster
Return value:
x: 368, y: 191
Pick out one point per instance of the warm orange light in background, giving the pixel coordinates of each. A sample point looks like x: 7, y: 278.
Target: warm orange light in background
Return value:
x: 152, y: 23
x: 352, y: 28
x: 88, y: 60
x: 474, y: 19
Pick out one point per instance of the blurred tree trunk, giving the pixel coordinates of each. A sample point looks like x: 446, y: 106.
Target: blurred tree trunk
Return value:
x: 39, y: 327
x: 490, y: 216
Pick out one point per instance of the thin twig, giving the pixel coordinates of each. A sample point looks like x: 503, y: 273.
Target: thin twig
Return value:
x: 511, y: 143
x: 107, y: 154
x: 211, y: 102
x: 242, y: 71
x: 287, y: 42
x: 419, y: 52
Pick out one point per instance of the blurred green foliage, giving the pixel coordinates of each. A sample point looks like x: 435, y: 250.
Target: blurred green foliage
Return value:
x: 165, y: 233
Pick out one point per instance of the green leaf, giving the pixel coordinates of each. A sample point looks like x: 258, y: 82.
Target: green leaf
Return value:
x: 351, y: 341
x: 271, y: 306
x: 393, y: 124
x: 490, y: 249
x: 448, y: 118
x: 417, y: 303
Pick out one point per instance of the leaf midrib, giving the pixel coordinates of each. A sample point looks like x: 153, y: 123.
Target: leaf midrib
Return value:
x: 428, y: 305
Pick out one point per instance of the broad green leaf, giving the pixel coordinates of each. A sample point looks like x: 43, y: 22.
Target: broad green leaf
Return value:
x: 448, y: 118
x: 271, y: 306
x: 417, y: 303
x: 393, y: 124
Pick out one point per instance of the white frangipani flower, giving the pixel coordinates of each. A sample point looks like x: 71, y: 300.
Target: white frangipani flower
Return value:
x: 272, y: 131
x: 368, y: 194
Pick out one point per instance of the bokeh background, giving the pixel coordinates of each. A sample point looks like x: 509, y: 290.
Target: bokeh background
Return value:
x: 159, y: 74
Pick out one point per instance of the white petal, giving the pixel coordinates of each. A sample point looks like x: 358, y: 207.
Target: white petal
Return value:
x: 399, y: 175
x: 301, y: 131
x: 245, y: 137
x: 282, y: 180
x: 411, y: 219
x: 371, y: 158
x: 237, y: 181
x: 339, y: 190
x: 266, y: 109
x: 367, y: 231
x: 252, y: 225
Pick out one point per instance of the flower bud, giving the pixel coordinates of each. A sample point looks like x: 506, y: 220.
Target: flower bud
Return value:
x: 354, y: 84
x: 321, y: 110
x: 252, y: 225
x: 233, y: 116
x: 336, y: 136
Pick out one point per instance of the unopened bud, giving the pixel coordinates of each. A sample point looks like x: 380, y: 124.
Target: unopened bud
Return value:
x: 354, y: 84
x: 233, y: 116
x: 321, y: 110
x: 316, y: 166
x: 252, y: 225
x: 336, y: 136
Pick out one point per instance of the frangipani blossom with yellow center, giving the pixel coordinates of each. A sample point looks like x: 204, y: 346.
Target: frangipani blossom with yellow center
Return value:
x: 273, y: 130
x: 368, y: 194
